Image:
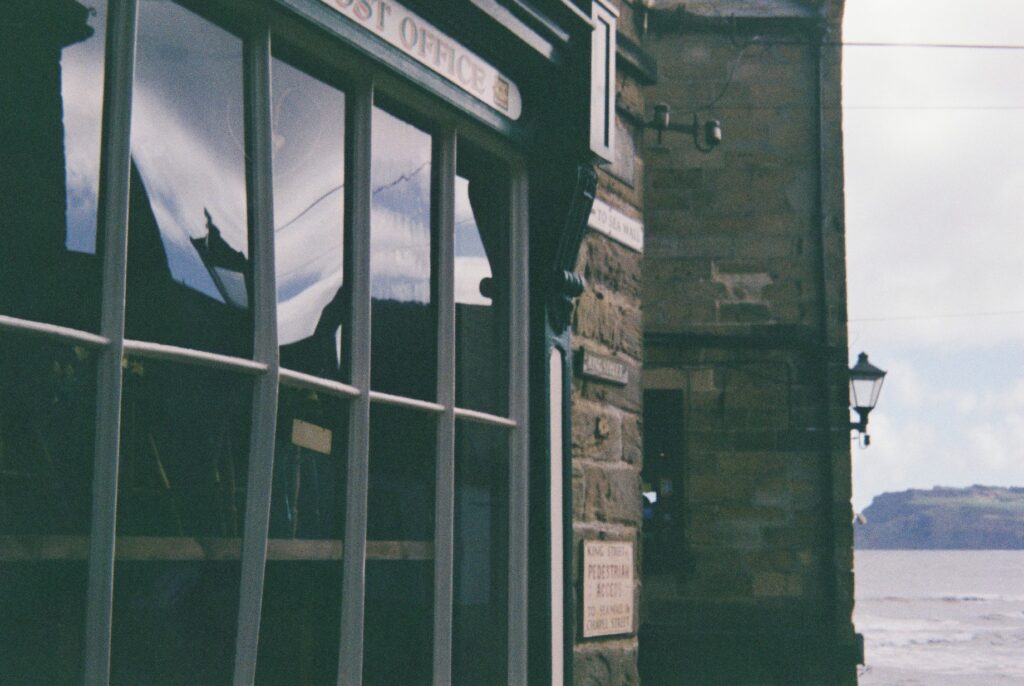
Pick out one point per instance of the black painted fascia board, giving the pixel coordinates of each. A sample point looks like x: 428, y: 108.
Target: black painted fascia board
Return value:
x: 631, y: 56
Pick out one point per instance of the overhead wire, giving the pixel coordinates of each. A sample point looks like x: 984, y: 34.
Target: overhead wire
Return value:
x: 956, y: 315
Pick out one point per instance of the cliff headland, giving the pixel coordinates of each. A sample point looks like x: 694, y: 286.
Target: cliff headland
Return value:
x: 973, y: 518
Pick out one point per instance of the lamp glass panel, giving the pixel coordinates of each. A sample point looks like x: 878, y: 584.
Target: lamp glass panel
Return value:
x: 862, y: 392
x: 876, y: 389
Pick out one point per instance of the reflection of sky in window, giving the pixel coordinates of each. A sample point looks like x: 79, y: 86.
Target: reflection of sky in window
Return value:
x: 82, y: 92
x: 187, y: 136
x: 471, y: 264
x: 309, y: 194
x: 400, y: 237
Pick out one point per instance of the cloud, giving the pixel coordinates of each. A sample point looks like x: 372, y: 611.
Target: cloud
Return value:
x: 981, y: 21
x: 933, y: 195
x: 82, y: 95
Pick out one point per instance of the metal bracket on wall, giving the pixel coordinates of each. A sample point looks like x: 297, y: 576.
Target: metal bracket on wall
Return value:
x: 566, y: 284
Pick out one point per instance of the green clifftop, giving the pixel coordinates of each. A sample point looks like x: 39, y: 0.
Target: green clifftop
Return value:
x: 977, y: 517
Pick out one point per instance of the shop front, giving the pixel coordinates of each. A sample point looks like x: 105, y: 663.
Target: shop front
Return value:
x: 284, y: 358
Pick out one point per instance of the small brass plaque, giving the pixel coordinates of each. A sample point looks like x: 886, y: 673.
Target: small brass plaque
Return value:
x: 311, y: 436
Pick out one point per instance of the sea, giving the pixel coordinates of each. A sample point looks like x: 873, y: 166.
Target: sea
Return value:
x: 941, y: 617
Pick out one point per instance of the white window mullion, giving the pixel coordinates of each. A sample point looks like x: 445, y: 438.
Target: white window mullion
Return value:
x: 112, y: 224
x: 264, y: 405
x: 443, y: 206
x: 519, y: 471
x: 359, y: 112
x: 556, y: 376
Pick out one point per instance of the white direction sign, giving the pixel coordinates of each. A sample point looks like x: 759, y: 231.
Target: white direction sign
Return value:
x: 607, y: 588
x: 420, y: 40
x: 617, y: 226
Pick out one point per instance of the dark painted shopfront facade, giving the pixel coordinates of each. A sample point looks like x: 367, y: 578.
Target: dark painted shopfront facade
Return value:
x: 285, y: 370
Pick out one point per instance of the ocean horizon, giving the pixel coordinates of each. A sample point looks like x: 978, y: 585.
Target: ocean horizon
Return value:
x: 940, y: 617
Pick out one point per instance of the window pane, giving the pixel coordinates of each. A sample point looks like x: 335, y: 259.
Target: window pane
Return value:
x: 404, y: 360
x: 188, y: 267
x: 480, y: 618
x: 400, y: 561
x: 51, y: 87
x: 309, y: 194
x: 481, y: 283
x: 299, y: 632
x: 47, y: 417
x: 181, y: 504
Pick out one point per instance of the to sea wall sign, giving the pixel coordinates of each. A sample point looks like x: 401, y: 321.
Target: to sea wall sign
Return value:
x: 617, y: 226
x: 418, y: 39
x: 607, y: 588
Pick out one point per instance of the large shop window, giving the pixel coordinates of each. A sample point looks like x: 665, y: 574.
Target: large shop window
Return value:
x: 314, y: 437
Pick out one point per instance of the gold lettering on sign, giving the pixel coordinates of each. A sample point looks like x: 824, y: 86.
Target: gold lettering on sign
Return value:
x: 501, y: 87
x: 417, y: 38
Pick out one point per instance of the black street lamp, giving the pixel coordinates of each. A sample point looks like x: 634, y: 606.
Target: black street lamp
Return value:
x: 865, y: 385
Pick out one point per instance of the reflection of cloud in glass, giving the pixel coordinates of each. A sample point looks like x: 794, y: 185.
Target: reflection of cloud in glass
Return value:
x: 187, y: 133
x: 82, y: 94
x: 470, y: 271
x: 309, y: 180
x: 471, y: 263
x: 400, y: 256
x: 400, y: 237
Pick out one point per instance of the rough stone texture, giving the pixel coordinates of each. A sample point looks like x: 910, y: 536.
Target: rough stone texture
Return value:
x: 606, y: 666
x: 744, y: 315
x: 606, y: 434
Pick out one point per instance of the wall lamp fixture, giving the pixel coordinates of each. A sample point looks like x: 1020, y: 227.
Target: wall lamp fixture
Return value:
x: 705, y: 138
x: 865, y: 384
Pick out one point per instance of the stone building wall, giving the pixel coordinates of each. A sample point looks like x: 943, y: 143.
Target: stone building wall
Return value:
x: 606, y: 435
x: 744, y: 306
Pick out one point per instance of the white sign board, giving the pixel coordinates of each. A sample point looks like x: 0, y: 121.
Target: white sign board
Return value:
x: 311, y: 436
x: 438, y: 52
x: 617, y: 226
x: 605, y: 368
x: 607, y: 588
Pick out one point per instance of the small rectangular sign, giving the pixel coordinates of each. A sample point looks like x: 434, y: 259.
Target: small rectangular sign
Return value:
x: 604, y: 368
x: 617, y: 226
x: 607, y: 588
x: 420, y: 40
x: 311, y: 436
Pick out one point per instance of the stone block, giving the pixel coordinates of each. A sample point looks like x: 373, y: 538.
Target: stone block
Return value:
x: 611, y: 320
x: 579, y: 492
x: 610, y: 266
x: 596, y: 432
x: 595, y: 665
x: 632, y: 439
x: 756, y: 465
x: 776, y: 585
x: 612, y: 494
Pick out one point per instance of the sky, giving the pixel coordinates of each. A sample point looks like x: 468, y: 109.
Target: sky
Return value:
x: 934, y: 155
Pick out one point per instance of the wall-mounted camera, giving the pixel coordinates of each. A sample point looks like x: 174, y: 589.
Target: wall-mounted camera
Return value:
x: 705, y: 138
